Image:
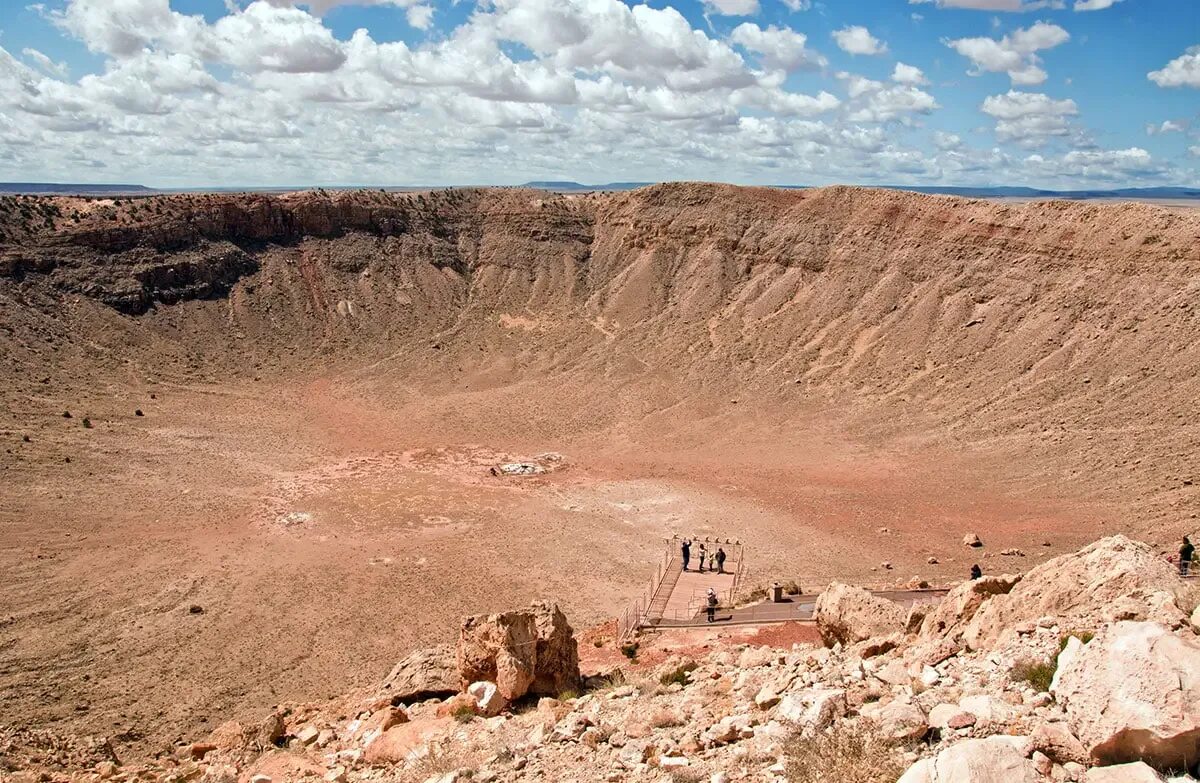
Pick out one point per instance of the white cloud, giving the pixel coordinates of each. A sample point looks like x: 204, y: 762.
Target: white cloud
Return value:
x: 947, y: 141
x: 857, y: 39
x: 783, y: 49
x: 1014, y: 54
x: 45, y: 64
x: 420, y: 16
x: 1094, y: 5
x: 1183, y: 71
x: 320, y: 7
x: 1029, y: 118
x: 872, y: 101
x: 995, y: 5
x: 519, y: 89
x: 798, y: 5
x: 1167, y: 126
x: 731, y: 7
x: 1110, y: 164
x: 908, y: 74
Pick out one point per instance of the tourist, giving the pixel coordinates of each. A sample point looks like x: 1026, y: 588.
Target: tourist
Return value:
x: 703, y: 555
x: 687, y: 553
x: 976, y: 571
x: 720, y: 560
x: 712, y: 602
x: 1185, y: 556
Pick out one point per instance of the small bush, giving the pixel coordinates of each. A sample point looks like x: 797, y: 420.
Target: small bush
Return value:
x: 1083, y: 636
x: 678, y: 675
x: 847, y: 752
x: 464, y: 713
x: 630, y: 650
x: 792, y: 587
x: 663, y: 718
x: 1038, y: 674
x: 614, y: 679
x: 568, y: 695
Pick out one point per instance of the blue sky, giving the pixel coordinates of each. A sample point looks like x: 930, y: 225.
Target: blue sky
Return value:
x: 1050, y: 93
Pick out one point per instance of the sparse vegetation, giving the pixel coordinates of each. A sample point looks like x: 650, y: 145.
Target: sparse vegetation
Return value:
x: 663, y: 718
x: 630, y: 650
x: 679, y: 674
x: 463, y: 713
x: 1038, y: 674
x: 1083, y: 636
x: 847, y: 752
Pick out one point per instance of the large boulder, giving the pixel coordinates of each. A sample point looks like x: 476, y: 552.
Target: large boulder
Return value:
x: 952, y: 614
x: 848, y: 614
x: 525, y: 651
x: 557, y: 652
x: 996, y: 759
x: 812, y: 709
x: 1137, y: 772
x: 424, y: 674
x: 1112, y: 579
x: 499, y: 648
x: 1133, y: 694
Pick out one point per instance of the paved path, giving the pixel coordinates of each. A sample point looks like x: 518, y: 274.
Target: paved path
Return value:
x: 798, y: 608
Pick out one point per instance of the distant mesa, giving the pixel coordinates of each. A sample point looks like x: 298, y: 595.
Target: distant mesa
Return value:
x: 567, y: 185
x: 68, y: 189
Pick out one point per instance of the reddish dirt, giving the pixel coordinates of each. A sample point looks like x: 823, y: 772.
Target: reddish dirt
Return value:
x: 797, y: 370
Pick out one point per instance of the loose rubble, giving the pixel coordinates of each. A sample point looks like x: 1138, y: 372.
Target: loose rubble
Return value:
x: 1008, y: 680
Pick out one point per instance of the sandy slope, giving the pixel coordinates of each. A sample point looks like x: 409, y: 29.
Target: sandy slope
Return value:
x: 325, y: 380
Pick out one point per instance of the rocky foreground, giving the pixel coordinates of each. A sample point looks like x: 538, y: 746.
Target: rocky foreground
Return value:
x: 1087, y: 668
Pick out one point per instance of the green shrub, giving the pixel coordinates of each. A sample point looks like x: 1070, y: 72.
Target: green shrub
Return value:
x: 1083, y: 636
x: 463, y: 713
x: 630, y: 650
x: 1037, y: 674
x: 678, y: 675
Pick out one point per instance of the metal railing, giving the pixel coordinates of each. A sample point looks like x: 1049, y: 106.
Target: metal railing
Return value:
x: 642, y: 611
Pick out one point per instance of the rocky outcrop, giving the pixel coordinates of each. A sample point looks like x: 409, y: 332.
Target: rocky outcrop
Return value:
x: 526, y: 651
x: 499, y: 648
x: 1112, y: 579
x: 423, y: 674
x: 557, y: 667
x: 846, y: 614
x: 1133, y: 694
x: 997, y: 759
x: 950, y: 617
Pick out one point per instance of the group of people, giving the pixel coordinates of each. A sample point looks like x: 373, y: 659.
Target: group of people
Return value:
x: 717, y: 559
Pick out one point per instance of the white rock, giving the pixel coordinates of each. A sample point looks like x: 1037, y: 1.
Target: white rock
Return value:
x: 902, y: 722
x: 488, y: 700
x: 673, y: 761
x: 929, y: 676
x: 1137, y: 772
x: 939, y: 716
x: 1133, y: 693
x: 997, y: 759
x: 813, y: 709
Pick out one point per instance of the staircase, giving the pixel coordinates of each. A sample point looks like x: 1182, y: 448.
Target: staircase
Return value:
x: 662, y: 594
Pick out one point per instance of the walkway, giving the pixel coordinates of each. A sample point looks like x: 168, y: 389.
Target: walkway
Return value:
x: 798, y: 608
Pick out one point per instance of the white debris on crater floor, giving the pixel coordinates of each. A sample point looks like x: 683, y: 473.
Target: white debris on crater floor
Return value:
x: 295, y: 518
x: 543, y: 463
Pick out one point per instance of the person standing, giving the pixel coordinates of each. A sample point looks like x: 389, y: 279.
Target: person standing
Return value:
x: 711, y: 604
x: 720, y: 560
x: 703, y: 554
x: 976, y: 571
x: 687, y: 553
x: 1185, y: 556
